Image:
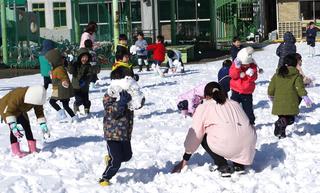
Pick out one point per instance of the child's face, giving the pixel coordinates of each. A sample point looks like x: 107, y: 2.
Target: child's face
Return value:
x: 246, y: 65
x: 140, y: 37
x: 84, y: 59
x: 237, y: 43
x: 123, y: 42
x: 312, y: 26
x: 125, y: 58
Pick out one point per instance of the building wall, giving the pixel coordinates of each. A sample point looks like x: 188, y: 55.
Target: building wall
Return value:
x: 288, y: 10
x: 51, y: 32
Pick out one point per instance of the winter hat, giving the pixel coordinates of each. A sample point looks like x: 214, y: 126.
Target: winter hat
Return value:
x: 47, y: 45
x: 35, y: 95
x: 245, y: 55
x: 83, y: 51
x: 54, y: 57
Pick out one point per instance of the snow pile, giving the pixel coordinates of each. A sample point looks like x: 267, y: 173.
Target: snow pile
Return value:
x: 72, y: 160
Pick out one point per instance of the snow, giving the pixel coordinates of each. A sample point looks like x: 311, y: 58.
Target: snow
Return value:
x: 72, y: 159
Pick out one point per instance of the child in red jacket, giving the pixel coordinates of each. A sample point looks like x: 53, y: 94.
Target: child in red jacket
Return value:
x: 159, y: 52
x: 243, y: 74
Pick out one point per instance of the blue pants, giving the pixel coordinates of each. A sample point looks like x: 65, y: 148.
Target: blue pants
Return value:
x: 119, y: 151
x: 246, y: 102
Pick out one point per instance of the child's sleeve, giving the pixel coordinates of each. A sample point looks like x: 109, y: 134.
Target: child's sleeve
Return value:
x: 234, y: 72
x: 151, y: 47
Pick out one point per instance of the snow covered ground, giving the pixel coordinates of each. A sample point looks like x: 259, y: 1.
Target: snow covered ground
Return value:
x: 72, y: 160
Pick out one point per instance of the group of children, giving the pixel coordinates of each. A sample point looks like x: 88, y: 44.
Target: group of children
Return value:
x: 286, y: 90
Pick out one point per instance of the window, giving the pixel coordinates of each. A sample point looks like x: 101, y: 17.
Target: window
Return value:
x: 136, y: 11
x: 38, y: 8
x: 59, y: 11
x: 186, y: 9
x: 310, y: 10
x: 203, y: 9
x: 164, y: 11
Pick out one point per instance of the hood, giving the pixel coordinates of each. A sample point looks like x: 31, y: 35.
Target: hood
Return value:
x: 54, y: 57
x: 83, y: 51
x: 288, y: 37
x: 47, y: 45
x: 35, y: 95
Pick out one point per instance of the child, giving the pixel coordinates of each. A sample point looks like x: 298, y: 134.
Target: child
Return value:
x: 123, y: 44
x: 81, y: 72
x: 311, y: 35
x: 45, y: 67
x: 141, y: 45
x: 223, y: 130
x: 174, y: 61
x: 223, y: 76
x: 118, y: 120
x: 159, y: 52
x: 188, y: 101
x: 61, y: 87
x: 243, y: 74
x: 13, y: 110
x: 94, y: 63
x: 284, y: 90
x: 307, y: 81
x: 287, y: 47
x: 235, y: 48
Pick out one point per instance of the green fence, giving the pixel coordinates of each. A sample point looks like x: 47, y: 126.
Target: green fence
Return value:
x: 236, y: 18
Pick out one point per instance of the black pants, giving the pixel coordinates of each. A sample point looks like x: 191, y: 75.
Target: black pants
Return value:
x: 218, y: 160
x: 23, y: 120
x: 65, y: 104
x: 82, y: 98
x: 119, y: 151
x: 46, y: 82
x: 246, y: 102
x: 94, y: 78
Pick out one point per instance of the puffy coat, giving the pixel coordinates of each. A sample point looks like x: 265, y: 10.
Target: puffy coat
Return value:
x: 159, y: 51
x: 224, y: 78
x: 12, y: 106
x: 229, y: 133
x: 193, y: 96
x: 59, y: 75
x: 287, y: 47
x: 311, y: 35
x: 286, y: 92
x: 240, y: 81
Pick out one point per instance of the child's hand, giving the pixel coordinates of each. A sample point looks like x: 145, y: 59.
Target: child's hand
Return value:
x: 308, y: 101
x: 237, y: 63
x: 250, y: 72
x: 65, y: 84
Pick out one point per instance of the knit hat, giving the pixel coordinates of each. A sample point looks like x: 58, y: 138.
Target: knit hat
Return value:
x: 47, y: 45
x: 35, y: 95
x: 54, y: 57
x: 245, y: 55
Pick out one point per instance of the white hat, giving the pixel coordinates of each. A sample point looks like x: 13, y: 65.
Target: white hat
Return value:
x: 245, y: 55
x: 35, y: 95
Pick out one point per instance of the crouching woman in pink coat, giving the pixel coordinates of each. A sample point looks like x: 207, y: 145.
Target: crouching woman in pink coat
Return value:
x: 222, y: 128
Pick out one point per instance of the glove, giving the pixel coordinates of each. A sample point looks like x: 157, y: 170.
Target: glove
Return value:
x: 183, y: 105
x: 250, y: 72
x: 136, y: 77
x: 16, y: 130
x: 237, y: 63
x: 82, y: 83
x: 308, y: 101
x: 45, y: 130
x: 125, y: 97
x: 65, y: 84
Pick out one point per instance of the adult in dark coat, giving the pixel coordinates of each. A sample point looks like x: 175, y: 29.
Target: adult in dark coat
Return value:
x: 287, y: 47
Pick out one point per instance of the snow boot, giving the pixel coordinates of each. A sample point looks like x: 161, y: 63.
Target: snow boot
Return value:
x: 74, y: 119
x: 148, y: 67
x: 61, y: 115
x: 225, y: 171
x: 280, y: 128
x: 140, y: 68
x: 104, y: 182
x: 15, y: 148
x: 238, y: 168
x: 86, y: 111
x: 32, y: 146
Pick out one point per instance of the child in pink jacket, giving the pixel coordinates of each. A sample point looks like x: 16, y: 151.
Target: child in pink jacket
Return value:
x: 222, y: 128
x: 188, y: 101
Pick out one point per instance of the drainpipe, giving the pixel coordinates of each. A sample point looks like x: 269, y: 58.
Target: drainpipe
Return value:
x: 173, y: 22
x: 115, y: 17
x: 4, y: 32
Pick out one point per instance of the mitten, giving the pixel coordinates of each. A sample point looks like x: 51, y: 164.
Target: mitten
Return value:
x: 16, y: 130
x: 307, y: 100
x: 183, y: 105
x: 45, y: 130
x: 82, y: 83
x: 250, y: 72
x: 237, y: 63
